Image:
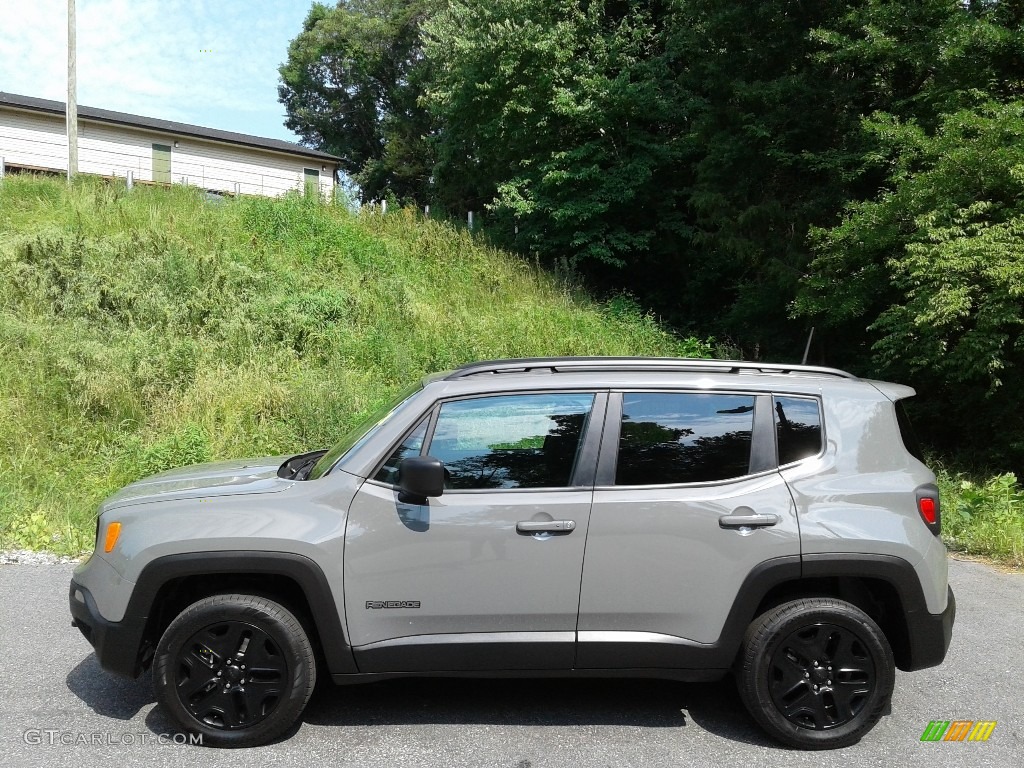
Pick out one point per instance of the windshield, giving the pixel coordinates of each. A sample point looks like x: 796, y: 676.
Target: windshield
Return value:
x: 363, y: 431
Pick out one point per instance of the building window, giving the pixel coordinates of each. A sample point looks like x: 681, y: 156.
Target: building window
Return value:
x: 312, y: 181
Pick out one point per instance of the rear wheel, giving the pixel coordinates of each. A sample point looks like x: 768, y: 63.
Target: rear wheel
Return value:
x: 237, y: 669
x: 816, y: 673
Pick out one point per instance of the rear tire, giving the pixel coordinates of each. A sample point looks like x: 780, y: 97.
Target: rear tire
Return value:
x: 815, y: 673
x: 236, y: 669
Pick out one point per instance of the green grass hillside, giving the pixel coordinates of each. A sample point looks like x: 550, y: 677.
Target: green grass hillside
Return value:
x: 145, y: 329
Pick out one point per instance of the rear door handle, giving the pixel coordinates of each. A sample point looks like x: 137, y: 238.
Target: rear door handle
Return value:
x: 546, y: 526
x: 748, y: 521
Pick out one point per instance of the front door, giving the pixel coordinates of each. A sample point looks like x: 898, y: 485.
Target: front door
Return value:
x: 311, y: 181
x: 688, y: 503
x: 486, y: 576
x: 162, y: 163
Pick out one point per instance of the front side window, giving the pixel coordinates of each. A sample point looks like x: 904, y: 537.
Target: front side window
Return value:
x: 511, y: 441
x: 797, y: 428
x: 683, y: 438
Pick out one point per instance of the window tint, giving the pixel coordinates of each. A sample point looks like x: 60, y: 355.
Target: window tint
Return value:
x: 683, y: 438
x: 511, y: 441
x: 409, y: 447
x: 907, y: 433
x: 798, y: 428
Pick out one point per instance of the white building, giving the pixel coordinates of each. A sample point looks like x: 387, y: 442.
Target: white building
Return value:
x: 33, y: 137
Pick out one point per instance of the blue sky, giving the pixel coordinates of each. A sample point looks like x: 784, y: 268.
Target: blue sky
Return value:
x: 208, y: 62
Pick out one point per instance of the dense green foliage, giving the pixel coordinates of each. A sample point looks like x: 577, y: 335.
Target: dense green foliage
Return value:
x: 148, y: 329
x: 936, y: 265
x: 351, y: 86
x: 984, y: 518
x: 747, y: 170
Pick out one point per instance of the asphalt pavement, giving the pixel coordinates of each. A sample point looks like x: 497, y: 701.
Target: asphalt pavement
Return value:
x: 58, y: 708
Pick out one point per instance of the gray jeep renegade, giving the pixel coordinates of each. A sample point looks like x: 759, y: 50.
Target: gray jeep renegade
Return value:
x: 568, y: 516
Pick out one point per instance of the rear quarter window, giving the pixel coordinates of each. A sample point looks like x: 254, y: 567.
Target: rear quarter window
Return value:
x: 797, y: 428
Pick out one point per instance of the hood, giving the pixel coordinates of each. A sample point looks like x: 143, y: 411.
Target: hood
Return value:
x: 222, y: 478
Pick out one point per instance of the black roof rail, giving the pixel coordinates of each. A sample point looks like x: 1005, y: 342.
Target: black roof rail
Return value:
x: 629, y: 364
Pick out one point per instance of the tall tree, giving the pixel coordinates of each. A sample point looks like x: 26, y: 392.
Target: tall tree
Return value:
x: 775, y: 134
x: 924, y: 273
x: 554, y: 118
x: 351, y: 86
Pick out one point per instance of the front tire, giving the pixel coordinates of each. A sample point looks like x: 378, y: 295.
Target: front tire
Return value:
x: 815, y: 673
x: 236, y: 669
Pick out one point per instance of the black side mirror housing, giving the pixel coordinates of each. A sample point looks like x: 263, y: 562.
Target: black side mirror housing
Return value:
x: 420, y: 477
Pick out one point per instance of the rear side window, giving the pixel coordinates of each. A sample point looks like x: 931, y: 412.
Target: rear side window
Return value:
x: 797, y: 428
x: 683, y: 438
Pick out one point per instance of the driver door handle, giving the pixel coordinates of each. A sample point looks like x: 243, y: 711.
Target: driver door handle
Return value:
x: 548, y: 526
x: 747, y: 521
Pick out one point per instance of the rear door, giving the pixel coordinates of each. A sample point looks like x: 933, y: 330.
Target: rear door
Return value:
x: 688, y: 503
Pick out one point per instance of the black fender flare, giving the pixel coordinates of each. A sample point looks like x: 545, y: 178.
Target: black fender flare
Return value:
x: 304, y: 571
x: 928, y: 635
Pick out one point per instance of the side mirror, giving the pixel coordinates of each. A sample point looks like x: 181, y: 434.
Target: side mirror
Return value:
x: 420, y: 477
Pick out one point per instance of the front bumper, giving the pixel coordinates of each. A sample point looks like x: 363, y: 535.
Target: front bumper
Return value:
x: 930, y: 634
x: 118, y: 644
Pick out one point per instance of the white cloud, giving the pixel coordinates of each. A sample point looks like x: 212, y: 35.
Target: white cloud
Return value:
x: 185, y: 60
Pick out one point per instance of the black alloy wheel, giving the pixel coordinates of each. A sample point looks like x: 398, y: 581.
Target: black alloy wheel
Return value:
x: 234, y: 669
x: 230, y: 675
x: 821, y: 676
x: 816, y: 673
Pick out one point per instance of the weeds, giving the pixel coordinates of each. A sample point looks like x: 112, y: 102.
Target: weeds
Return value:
x: 984, y: 518
x: 150, y: 329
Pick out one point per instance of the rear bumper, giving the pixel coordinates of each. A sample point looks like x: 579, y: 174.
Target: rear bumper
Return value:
x: 930, y: 634
x: 118, y: 644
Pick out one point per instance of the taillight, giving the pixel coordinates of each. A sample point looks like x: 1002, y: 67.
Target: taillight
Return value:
x: 928, y: 508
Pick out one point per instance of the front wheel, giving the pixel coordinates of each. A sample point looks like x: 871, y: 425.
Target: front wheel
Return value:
x: 815, y: 673
x: 235, y: 669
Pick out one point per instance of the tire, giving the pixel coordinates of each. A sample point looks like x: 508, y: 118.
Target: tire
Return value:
x: 815, y: 673
x: 235, y: 669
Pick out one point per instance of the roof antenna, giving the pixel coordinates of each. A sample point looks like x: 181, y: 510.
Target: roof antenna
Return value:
x: 807, y: 349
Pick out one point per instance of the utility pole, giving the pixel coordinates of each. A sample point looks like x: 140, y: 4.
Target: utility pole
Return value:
x: 72, y: 105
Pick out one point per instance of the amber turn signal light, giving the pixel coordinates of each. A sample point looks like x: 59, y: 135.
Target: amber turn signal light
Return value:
x: 113, y: 531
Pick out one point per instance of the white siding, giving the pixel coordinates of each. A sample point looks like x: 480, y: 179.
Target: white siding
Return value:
x: 219, y: 166
x: 39, y: 140
x: 33, y: 139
